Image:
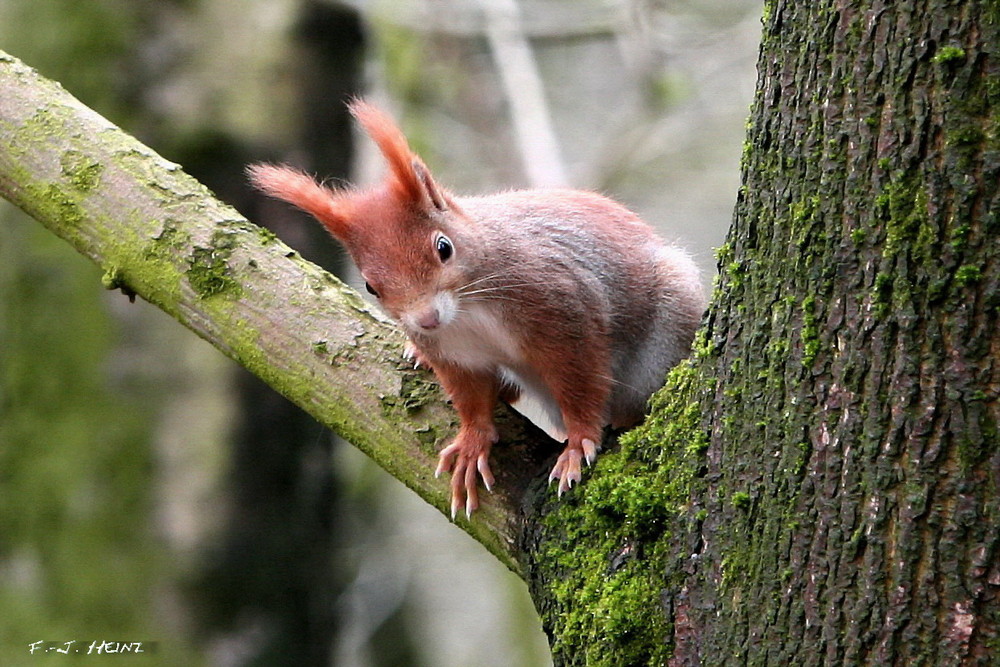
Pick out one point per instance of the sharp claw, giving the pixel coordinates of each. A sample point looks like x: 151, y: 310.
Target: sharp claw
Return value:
x: 444, y: 464
x: 567, y: 468
x: 410, y: 354
x: 467, y: 463
x: 483, y: 466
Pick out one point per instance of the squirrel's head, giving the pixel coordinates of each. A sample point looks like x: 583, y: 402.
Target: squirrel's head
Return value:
x: 406, y: 235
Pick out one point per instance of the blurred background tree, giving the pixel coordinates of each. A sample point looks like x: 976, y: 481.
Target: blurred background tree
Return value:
x: 150, y: 489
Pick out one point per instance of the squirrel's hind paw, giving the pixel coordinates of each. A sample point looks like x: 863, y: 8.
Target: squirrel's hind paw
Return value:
x: 567, y: 467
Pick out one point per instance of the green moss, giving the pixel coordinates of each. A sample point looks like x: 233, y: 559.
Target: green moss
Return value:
x: 805, y: 228
x: 767, y: 12
x: 809, y: 333
x: 960, y: 236
x: 902, y: 207
x: 209, y: 273
x: 803, y: 212
x: 724, y: 253
x: 964, y: 135
x: 740, y: 500
x: 776, y: 349
x: 968, y: 275
x: 416, y: 390
x: 734, y: 275
x: 53, y: 201
x: 430, y: 438
x: 745, y: 156
x: 607, y: 593
x: 81, y: 171
x: 267, y: 237
x: 114, y: 278
x: 802, y: 460
x: 703, y: 346
x: 948, y: 54
x: 604, y: 544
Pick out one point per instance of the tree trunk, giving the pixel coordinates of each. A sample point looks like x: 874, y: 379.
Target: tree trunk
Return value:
x: 835, y: 494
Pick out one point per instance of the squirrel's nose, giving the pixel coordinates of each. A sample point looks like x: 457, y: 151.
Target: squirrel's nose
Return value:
x: 429, y: 319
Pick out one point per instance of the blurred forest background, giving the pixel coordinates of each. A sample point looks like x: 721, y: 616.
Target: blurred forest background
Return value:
x: 150, y: 490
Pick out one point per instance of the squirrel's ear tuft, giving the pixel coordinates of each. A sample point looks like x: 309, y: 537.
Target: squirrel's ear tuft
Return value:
x: 432, y: 192
x: 303, y: 191
x: 411, y: 179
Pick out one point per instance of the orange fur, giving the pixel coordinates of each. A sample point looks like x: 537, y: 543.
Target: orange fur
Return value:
x: 411, y: 179
x: 303, y: 191
x: 561, y: 295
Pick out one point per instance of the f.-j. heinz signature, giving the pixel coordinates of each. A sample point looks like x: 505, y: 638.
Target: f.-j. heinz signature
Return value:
x: 93, y: 647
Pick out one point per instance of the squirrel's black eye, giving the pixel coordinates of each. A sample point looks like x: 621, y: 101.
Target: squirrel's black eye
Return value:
x: 371, y: 290
x: 444, y: 247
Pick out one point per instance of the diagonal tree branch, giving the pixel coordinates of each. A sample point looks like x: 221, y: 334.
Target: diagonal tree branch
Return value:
x: 158, y: 233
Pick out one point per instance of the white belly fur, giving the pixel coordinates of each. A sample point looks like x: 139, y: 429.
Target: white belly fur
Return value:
x: 476, y: 338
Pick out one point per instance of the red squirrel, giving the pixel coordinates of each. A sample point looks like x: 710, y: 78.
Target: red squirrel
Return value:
x: 563, y: 295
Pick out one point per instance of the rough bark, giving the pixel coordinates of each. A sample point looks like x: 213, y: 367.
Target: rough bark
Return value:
x: 854, y: 507
x: 159, y: 234
x: 821, y: 485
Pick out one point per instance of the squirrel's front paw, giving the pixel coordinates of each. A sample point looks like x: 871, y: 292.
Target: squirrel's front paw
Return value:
x: 567, y: 467
x: 412, y: 354
x: 463, y: 458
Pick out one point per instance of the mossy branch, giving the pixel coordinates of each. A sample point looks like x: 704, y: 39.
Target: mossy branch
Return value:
x: 159, y: 234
